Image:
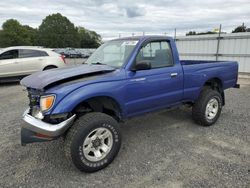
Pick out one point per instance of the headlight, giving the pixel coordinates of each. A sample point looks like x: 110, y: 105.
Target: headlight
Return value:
x: 46, y: 102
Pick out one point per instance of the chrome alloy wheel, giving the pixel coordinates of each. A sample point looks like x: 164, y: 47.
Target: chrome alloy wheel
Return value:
x: 98, y: 144
x: 212, y: 108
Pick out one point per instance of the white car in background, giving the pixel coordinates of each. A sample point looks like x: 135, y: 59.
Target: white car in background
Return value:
x: 19, y: 61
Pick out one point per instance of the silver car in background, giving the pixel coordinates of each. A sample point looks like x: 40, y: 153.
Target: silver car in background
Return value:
x: 20, y: 61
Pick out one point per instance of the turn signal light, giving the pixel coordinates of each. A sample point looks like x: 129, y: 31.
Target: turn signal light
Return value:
x: 46, y: 102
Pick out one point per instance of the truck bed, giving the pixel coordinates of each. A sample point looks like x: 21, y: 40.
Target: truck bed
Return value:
x: 196, y: 73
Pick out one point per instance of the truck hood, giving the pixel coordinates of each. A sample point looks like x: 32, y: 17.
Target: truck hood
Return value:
x: 44, y: 79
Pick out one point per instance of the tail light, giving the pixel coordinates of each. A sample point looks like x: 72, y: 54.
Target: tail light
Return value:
x: 63, y: 58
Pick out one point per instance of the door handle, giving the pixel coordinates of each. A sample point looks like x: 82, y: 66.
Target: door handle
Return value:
x: 15, y: 62
x: 174, y: 74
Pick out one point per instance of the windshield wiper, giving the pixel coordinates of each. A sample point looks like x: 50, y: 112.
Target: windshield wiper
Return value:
x: 98, y: 63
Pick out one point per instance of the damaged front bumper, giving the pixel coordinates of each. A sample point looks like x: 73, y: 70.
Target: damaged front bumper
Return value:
x: 36, y: 130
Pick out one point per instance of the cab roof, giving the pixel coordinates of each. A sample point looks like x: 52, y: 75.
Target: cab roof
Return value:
x: 145, y: 37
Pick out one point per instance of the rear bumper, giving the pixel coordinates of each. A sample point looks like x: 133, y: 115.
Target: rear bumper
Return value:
x: 34, y: 126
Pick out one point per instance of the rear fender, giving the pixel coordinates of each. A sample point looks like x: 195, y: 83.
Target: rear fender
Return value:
x: 215, y: 84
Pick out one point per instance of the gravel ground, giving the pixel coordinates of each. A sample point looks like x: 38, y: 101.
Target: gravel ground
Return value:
x: 162, y: 149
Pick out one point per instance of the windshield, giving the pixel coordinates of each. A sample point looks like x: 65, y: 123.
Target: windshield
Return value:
x: 113, y: 53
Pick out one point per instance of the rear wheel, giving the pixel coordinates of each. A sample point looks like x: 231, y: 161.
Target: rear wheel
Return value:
x: 207, y: 108
x: 93, y: 142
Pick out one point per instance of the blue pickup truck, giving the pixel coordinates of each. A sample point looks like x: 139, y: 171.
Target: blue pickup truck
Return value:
x: 123, y: 78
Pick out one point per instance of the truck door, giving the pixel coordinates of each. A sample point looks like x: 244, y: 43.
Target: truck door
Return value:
x: 155, y: 88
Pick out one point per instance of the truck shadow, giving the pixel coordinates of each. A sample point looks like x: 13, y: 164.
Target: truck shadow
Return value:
x: 137, y: 133
x: 160, y: 119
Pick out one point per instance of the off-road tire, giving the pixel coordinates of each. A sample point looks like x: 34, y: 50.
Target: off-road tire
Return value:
x: 73, y: 145
x: 199, y: 107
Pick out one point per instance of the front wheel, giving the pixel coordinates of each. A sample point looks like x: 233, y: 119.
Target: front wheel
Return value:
x: 93, y: 142
x: 207, y: 108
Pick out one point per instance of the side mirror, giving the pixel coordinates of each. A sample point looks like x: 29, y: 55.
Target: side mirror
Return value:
x: 142, y: 65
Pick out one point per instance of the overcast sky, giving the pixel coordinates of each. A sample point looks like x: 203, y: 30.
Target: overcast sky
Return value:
x: 111, y: 18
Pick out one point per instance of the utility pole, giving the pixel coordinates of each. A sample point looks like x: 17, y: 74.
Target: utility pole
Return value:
x: 218, y: 44
x: 174, y: 33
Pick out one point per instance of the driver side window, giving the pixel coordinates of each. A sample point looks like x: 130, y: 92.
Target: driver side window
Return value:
x: 11, y: 54
x: 158, y: 53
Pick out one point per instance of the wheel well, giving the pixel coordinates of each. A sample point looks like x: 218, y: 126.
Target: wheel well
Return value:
x: 102, y: 104
x: 49, y: 67
x: 216, y: 84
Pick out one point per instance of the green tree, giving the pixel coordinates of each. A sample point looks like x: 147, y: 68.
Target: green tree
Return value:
x: 191, y: 33
x: 201, y: 33
x: 206, y: 33
x: 14, y: 34
x: 56, y: 31
x: 32, y: 34
x: 89, y: 39
x: 241, y: 28
x: 1, y: 38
